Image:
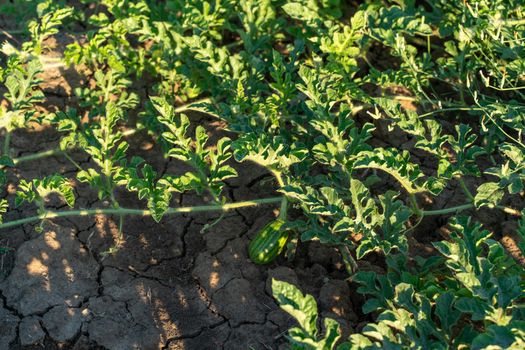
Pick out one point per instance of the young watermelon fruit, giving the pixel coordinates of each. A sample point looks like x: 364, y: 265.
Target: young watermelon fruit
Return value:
x: 268, y: 243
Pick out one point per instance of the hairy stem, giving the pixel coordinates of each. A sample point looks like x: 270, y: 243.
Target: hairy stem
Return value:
x: 450, y: 110
x: 126, y: 211
x: 348, y: 260
x: 467, y: 206
x: 447, y: 210
x: 190, y: 105
x: 465, y: 189
x: 7, y: 141
x: 284, y: 202
x: 415, y: 205
x: 72, y: 161
x: 35, y: 156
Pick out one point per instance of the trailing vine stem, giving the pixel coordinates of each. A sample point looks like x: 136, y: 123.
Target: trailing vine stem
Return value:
x: 348, y: 259
x: 50, y: 214
x: 39, y: 155
x: 415, y: 206
x: 7, y: 141
x: 467, y: 206
x: 466, y: 190
x: 450, y: 210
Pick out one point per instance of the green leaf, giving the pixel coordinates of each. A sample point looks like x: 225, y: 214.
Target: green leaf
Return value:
x: 6, y: 161
x: 488, y: 194
x: 496, y: 336
x: 4, y: 206
x: 448, y: 315
x: 302, y: 307
x: 300, y: 11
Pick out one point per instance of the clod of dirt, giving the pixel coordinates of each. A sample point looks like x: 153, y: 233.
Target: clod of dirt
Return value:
x: 235, y: 253
x: 30, y: 331
x: 252, y: 336
x: 113, y: 327
x: 211, y: 273
x: 364, y: 265
x: 510, y: 241
x: 334, y: 297
x: 312, y: 278
x: 235, y: 257
x: 8, y: 325
x: 281, y: 318
x: 50, y: 270
x: 323, y: 254
x: 230, y: 228
x: 82, y: 344
x: 152, y: 313
x: 63, y: 323
x: 144, y: 247
x: 238, y: 303
x: 281, y: 273
x: 208, y: 339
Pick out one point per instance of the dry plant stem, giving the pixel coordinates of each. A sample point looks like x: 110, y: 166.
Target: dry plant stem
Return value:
x: 126, y: 211
x: 72, y: 161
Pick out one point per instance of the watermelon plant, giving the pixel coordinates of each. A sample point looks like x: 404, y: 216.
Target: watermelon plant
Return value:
x: 365, y: 115
x: 468, y: 296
